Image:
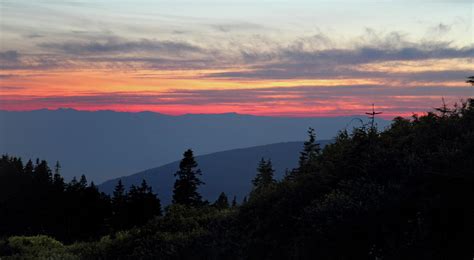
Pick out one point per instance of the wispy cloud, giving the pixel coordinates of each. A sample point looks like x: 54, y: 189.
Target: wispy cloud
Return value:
x: 116, y: 45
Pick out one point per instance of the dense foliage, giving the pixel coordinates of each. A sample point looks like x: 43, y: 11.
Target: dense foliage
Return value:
x: 403, y: 193
x: 34, y: 200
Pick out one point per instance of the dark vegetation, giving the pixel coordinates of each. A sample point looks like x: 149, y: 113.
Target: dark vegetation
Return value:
x: 403, y: 193
x: 34, y: 200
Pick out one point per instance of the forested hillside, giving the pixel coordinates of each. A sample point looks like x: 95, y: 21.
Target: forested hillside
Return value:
x: 406, y: 192
x: 231, y: 171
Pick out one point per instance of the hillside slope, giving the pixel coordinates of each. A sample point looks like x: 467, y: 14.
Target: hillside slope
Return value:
x: 228, y: 171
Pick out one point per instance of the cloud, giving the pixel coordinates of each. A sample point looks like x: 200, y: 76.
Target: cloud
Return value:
x: 315, y: 56
x: 440, y: 29
x: 122, y: 46
x: 10, y: 56
x: 232, y: 27
x: 34, y: 35
x: 13, y: 60
x: 300, y: 95
x: 12, y: 87
x: 7, y: 76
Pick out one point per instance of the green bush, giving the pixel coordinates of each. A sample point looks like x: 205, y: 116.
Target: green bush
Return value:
x: 37, y: 247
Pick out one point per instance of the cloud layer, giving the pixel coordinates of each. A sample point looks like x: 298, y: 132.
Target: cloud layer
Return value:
x: 297, y: 59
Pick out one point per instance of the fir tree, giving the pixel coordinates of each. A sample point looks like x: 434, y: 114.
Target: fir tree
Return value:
x: 264, y: 177
x: 119, y: 193
x: 58, y: 181
x: 29, y: 168
x: 310, y: 150
x: 222, y: 202
x: 42, y: 173
x: 143, y: 204
x: 308, y: 156
x: 120, y: 215
x: 83, y: 182
x: 185, y: 188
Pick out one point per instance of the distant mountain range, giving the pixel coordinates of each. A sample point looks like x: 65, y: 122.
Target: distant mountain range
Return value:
x: 107, y: 144
x: 228, y: 171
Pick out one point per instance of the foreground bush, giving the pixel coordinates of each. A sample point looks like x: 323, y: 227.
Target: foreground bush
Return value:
x: 36, y: 247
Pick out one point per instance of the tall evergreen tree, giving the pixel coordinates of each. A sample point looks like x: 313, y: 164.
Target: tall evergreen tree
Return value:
x: 58, y: 181
x: 119, y: 193
x: 222, y: 202
x: 185, y: 187
x: 264, y: 177
x: 311, y: 149
x: 83, y: 182
x: 308, y: 157
x: 29, y: 168
x: 120, y: 215
x: 42, y: 173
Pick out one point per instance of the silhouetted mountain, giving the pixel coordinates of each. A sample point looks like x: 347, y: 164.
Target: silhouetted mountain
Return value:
x: 107, y: 144
x: 229, y: 171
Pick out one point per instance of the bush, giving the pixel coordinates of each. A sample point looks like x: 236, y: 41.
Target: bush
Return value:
x: 37, y: 247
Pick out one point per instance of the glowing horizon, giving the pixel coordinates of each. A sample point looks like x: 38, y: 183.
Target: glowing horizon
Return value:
x: 301, y: 58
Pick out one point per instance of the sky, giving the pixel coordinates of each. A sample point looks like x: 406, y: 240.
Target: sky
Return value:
x: 275, y: 58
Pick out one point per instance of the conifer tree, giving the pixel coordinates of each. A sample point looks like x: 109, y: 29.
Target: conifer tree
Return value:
x: 42, y: 173
x: 222, y: 202
x: 83, y: 182
x: 234, y: 202
x: 29, y: 168
x: 119, y: 193
x: 185, y: 187
x: 58, y: 180
x: 264, y: 177
x: 142, y: 204
x: 311, y: 150
x: 120, y: 216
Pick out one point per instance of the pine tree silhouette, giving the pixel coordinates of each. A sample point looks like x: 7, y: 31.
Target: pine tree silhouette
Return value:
x: 185, y: 187
x: 222, y: 202
x: 264, y: 177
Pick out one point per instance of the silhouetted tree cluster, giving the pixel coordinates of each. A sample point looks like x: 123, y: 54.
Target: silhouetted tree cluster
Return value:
x: 134, y: 207
x: 36, y: 200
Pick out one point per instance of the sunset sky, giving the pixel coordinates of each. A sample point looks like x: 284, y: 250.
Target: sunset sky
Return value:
x: 277, y: 58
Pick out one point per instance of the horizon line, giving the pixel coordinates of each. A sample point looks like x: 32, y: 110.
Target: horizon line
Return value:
x: 384, y: 117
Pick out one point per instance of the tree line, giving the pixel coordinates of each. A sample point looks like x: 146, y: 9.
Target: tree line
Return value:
x: 36, y: 200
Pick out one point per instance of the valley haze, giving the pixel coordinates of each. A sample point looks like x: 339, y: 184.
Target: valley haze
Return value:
x: 105, y: 144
